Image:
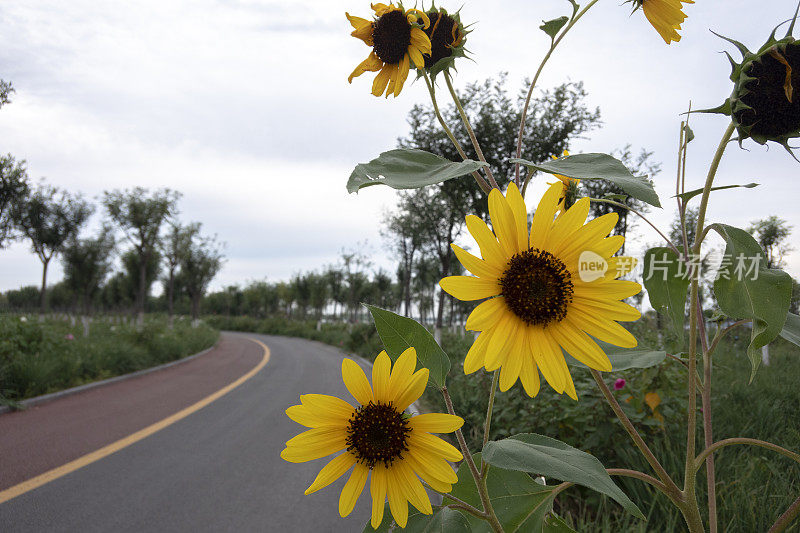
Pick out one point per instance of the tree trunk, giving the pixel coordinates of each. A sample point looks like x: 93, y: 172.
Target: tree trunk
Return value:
x: 43, y: 293
x: 195, y: 307
x: 170, y: 296
x: 142, y: 282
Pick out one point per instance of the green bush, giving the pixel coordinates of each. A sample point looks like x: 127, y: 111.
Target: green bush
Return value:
x: 42, y: 357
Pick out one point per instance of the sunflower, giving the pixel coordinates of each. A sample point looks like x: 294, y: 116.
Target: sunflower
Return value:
x: 569, y: 188
x: 397, y: 39
x: 666, y: 16
x: 378, y: 436
x: 544, y: 291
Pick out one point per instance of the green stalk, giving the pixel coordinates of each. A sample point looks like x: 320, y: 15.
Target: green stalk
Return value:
x: 470, y: 131
x: 481, y: 182
x: 488, y: 424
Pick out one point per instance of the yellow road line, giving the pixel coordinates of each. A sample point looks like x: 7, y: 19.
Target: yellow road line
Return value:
x: 124, y: 442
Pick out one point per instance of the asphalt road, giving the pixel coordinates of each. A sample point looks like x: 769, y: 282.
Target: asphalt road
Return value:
x: 216, y: 470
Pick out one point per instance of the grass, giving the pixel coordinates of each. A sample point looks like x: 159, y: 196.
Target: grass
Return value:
x: 43, y: 357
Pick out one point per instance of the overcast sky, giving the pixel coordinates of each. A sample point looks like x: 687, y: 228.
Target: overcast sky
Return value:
x: 244, y: 107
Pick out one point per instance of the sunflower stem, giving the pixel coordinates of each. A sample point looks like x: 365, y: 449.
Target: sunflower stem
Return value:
x: 461, y: 504
x: 432, y: 91
x: 698, y: 462
x: 488, y: 424
x: 786, y: 518
x: 637, y: 439
x: 470, y: 131
x: 553, y: 44
x: 480, y: 483
x: 695, y: 328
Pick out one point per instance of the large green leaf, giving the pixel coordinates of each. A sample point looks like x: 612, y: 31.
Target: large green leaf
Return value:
x: 626, y: 358
x: 667, y: 283
x: 537, y: 454
x: 761, y: 294
x: 408, y: 169
x: 791, y: 329
x: 598, y: 166
x: 445, y: 520
x: 691, y: 194
x: 398, y: 333
x: 519, y: 502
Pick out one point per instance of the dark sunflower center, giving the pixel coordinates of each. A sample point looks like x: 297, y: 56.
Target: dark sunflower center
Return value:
x: 377, y: 433
x: 774, y: 94
x: 444, y: 34
x: 391, y: 35
x: 537, y: 287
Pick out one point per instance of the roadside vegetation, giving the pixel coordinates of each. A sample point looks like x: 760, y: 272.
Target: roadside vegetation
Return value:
x: 43, y: 357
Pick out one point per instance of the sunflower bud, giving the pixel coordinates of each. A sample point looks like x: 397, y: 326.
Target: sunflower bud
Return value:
x: 765, y: 103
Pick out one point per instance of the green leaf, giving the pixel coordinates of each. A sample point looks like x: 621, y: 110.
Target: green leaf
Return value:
x: 444, y: 520
x: 625, y: 358
x: 691, y: 194
x: 552, y: 27
x: 385, y: 524
x: 791, y: 329
x: 689, y: 134
x: 598, y: 166
x: 408, y: 169
x: 519, y: 502
x: 575, y: 7
x: 399, y: 333
x: 667, y: 283
x: 554, y: 524
x: 761, y: 294
x: 537, y: 454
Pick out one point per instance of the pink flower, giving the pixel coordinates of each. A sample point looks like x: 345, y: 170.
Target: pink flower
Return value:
x: 619, y: 384
x: 69, y: 337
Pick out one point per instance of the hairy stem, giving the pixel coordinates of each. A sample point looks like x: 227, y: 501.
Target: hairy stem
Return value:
x: 470, y: 131
x: 553, y: 44
x: 488, y: 424
x: 698, y: 462
x: 480, y: 483
x: 478, y: 178
x: 786, y: 518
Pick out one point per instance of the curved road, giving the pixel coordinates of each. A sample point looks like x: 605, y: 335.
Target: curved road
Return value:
x: 217, y: 469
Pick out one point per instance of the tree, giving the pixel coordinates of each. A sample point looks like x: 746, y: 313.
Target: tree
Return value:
x: 201, y: 262
x: 174, y: 247
x: 86, y: 263
x: 5, y: 92
x: 639, y: 165
x: 49, y: 218
x: 140, y: 215
x: 771, y: 233
x: 403, y: 237
x: 14, y: 189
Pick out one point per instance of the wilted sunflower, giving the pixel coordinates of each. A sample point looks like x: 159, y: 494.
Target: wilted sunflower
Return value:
x: 397, y: 39
x: 378, y: 436
x: 666, y: 16
x: 545, y: 291
x: 447, y: 35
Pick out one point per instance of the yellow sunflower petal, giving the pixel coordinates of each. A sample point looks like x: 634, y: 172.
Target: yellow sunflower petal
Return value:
x: 305, y: 416
x: 412, y: 488
x: 509, y: 372
x: 318, y: 438
x: 486, y: 315
x: 402, y: 74
x: 397, y: 500
x: 503, y: 223
x: 500, y: 340
x: 352, y: 490
x: 416, y: 56
x: 370, y: 64
x: 401, y: 373
x: 467, y: 288
x: 362, y: 28
x: 542, y: 223
x: 491, y: 251
x: 380, y: 377
x: 377, y: 489
x: 619, y: 266
x: 603, y: 329
x: 529, y: 375
x: 434, y: 472
x: 546, y: 357
x: 617, y: 289
x: 381, y: 8
x: 568, y: 223
x: 332, y: 471
x: 382, y: 79
x: 517, y: 205
x: 435, y: 423
x: 609, y: 246
x: 477, y: 353
x: 356, y: 381
x: 611, y: 309
x: 326, y: 405
x: 578, y: 344
x: 420, y: 40
x: 413, y: 390
x: 433, y: 445
x: 594, y: 231
x: 475, y: 265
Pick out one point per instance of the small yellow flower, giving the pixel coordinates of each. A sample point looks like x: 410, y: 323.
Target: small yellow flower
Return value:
x: 666, y: 16
x: 544, y: 290
x: 377, y: 438
x: 397, y: 39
